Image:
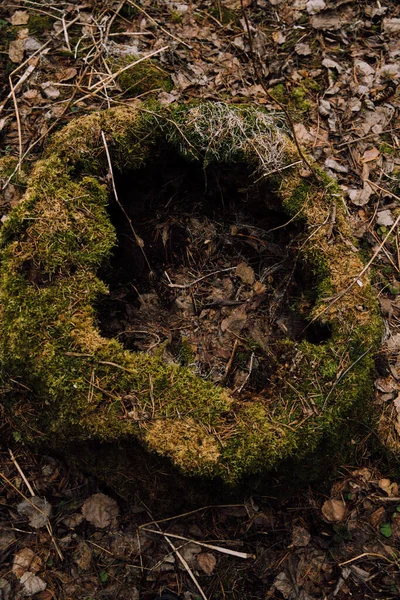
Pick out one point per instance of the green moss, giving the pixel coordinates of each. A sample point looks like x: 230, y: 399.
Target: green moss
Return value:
x: 225, y: 15
x: 39, y: 24
x: 295, y: 100
x: 140, y: 78
x: 385, y: 148
x: 176, y: 16
x: 311, y: 84
x: 279, y: 93
x: 185, y: 352
x: 75, y: 385
x: 299, y: 98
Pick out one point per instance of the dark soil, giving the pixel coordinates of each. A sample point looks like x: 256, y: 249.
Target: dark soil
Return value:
x: 213, y: 282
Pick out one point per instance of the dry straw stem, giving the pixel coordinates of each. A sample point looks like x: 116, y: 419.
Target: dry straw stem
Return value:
x: 235, y: 553
x: 364, y: 554
x: 58, y: 237
x: 167, y: 538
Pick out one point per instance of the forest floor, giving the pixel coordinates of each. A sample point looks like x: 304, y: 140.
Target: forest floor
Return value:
x: 334, y: 67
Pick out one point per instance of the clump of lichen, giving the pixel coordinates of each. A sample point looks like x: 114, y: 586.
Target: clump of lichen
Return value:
x: 63, y: 381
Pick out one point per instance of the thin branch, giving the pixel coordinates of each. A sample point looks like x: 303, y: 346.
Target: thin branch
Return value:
x: 245, y: 555
x: 10, y: 483
x: 138, y: 240
x: 342, y: 376
x: 184, y: 286
x: 357, y: 278
x: 179, y: 555
x: 174, y: 37
x: 264, y: 87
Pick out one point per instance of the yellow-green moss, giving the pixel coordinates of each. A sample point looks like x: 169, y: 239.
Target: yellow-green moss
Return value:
x: 295, y: 100
x: 299, y: 98
x: 66, y: 382
x: 39, y: 24
x: 141, y: 78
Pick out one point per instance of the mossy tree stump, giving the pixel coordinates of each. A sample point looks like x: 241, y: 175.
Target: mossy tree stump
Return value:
x: 64, y: 381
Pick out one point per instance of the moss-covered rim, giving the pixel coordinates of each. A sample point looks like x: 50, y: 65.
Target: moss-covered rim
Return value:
x: 64, y: 381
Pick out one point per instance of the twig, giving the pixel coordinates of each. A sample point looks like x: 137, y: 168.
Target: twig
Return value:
x: 341, y: 377
x: 365, y: 137
x: 20, y: 471
x: 29, y: 70
x: 245, y: 555
x: 248, y: 374
x: 277, y: 170
x: 65, y: 33
x: 230, y: 361
x: 138, y: 240
x: 346, y: 562
x: 111, y: 78
x: 357, y: 278
x: 48, y: 526
x: 179, y: 555
x: 191, y: 512
x: 18, y: 120
x: 387, y: 499
x: 184, y: 286
x: 40, y: 4
x: 159, y: 26
x: 111, y: 21
x: 268, y: 93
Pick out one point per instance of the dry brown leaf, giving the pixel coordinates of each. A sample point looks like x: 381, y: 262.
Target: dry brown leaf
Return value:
x: 5, y: 589
x: 278, y: 37
x: 246, y: 273
x: 300, y: 536
x: 376, y: 517
x: 283, y: 584
x: 45, y: 595
x: 327, y: 21
x: 26, y: 560
x: 236, y: 4
x: 7, y: 537
x: 83, y: 556
x: 100, y: 510
x: 20, y: 17
x: 391, y: 26
x: 303, y: 49
x: 67, y: 74
x: 236, y: 321
x: 73, y: 520
x: 384, y: 217
x: 37, y: 510
x: 371, y: 154
x: 392, y: 489
x: 190, y: 551
x: 334, y: 510
x: 206, y: 562
x: 16, y: 51
x: 32, y: 584
x: 360, y: 197
x: 51, y: 91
